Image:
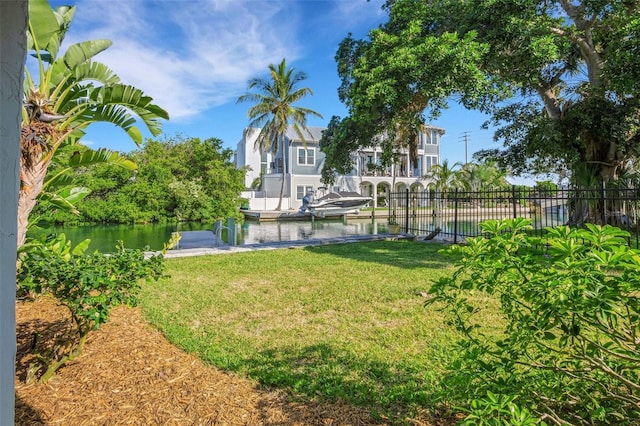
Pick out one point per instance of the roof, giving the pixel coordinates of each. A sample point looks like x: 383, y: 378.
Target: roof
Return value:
x: 313, y: 134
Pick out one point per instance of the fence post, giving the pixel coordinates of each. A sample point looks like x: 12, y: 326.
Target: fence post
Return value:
x: 513, y: 194
x: 406, y: 212
x: 455, y: 218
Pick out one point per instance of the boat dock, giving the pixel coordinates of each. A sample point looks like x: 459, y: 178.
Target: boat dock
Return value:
x: 199, y: 240
x: 270, y: 215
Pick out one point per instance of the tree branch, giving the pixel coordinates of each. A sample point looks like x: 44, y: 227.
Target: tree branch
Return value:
x: 550, y: 101
x: 587, y: 49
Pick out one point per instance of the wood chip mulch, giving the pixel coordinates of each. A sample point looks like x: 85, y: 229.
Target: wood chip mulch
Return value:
x: 130, y: 374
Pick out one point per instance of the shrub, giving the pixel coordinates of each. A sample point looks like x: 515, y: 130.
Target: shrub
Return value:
x: 89, y: 285
x: 569, y: 351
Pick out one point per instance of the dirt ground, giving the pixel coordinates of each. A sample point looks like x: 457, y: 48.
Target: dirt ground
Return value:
x: 130, y: 374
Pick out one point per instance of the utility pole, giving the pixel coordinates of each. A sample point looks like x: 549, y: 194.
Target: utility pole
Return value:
x: 465, y: 137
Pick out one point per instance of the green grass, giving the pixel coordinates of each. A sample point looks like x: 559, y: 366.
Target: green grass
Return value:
x: 338, y: 321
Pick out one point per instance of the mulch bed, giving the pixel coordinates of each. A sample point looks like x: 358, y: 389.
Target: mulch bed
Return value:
x: 130, y: 374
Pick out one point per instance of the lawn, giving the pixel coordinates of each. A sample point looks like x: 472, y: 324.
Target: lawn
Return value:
x: 342, y: 322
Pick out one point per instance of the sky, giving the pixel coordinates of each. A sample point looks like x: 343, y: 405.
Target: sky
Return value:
x: 195, y: 57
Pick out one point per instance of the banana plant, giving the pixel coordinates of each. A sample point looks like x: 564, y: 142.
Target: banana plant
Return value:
x: 69, y: 92
x: 60, y: 190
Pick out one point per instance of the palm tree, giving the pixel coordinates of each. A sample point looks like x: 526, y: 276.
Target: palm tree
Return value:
x: 443, y: 177
x: 273, y: 111
x: 482, y: 176
x: 72, y: 91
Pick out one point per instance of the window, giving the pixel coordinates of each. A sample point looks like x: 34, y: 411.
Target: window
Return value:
x: 431, y: 137
x: 276, y: 165
x: 434, y: 137
x: 429, y: 161
x: 306, y: 157
x: 302, y: 190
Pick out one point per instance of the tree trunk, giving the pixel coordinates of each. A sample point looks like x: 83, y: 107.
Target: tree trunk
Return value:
x: 32, y: 181
x: 281, y: 189
x: 601, y: 161
x: 285, y: 169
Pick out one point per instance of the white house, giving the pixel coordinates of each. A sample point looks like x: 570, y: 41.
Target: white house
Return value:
x: 303, y: 161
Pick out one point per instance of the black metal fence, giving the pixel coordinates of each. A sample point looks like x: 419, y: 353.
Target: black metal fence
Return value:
x: 456, y: 214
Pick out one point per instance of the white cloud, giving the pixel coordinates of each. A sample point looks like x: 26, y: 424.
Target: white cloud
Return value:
x: 354, y: 13
x: 188, y: 55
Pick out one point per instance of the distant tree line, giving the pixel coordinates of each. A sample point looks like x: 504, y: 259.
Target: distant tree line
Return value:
x: 177, y: 179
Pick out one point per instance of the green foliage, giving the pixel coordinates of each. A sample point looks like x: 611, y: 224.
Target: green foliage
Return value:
x: 64, y: 186
x: 338, y: 142
x: 571, y: 309
x: 557, y: 78
x: 545, y: 185
x: 402, y: 75
x: 57, y: 245
x: 89, y: 285
x: 444, y: 177
x: 498, y: 410
x: 178, y: 179
x: 482, y: 176
x: 63, y: 95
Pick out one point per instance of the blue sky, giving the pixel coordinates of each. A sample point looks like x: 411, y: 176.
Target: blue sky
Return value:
x: 194, y: 58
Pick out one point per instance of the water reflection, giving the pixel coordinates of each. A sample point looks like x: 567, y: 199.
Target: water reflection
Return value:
x: 266, y: 232
x: 105, y: 237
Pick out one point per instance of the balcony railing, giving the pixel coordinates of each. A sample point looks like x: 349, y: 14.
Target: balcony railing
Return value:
x: 273, y: 171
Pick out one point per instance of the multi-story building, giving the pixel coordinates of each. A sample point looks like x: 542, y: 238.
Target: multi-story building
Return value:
x: 302, y: 163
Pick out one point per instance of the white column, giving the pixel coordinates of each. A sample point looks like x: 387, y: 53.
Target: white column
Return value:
x: 290, y: 174
x: 375, y: 161
x: 13, y: 27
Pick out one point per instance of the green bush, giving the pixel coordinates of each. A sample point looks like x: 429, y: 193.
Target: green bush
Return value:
x: 89, y: 285
x: 569, y: 351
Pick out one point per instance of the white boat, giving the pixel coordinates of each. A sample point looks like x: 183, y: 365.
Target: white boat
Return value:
x: 335, y: 204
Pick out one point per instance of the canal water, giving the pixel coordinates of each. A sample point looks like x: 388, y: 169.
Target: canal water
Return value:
x: 105, y: 237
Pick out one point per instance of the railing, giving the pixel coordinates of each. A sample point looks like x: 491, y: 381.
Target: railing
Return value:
x: 273, y: 171
x: 456, y: 214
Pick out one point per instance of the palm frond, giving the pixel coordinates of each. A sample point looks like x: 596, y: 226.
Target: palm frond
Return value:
x: 82, y: 52
x: 43, y: 26
x: 65, y: 199
x: 103, y: 155
x: 59, y: 180
x: 133, y: 99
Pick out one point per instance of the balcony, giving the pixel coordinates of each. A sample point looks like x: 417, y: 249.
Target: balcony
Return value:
x: 273, y: 171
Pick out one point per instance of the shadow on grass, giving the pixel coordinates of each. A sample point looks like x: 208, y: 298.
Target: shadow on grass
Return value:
x: 399, y: 253
x: 393, y: 392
